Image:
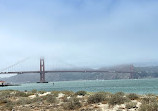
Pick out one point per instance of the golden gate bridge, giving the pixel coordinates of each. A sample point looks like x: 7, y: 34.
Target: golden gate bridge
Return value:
x: 43, y: 72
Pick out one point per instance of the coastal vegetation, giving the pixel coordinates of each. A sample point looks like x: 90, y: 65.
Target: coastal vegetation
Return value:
x: 77, y: 101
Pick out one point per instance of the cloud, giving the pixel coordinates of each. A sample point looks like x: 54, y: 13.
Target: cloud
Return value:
x: 103, y: 32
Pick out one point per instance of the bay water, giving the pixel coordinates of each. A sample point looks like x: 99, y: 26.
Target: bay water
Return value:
x: 139, y: 86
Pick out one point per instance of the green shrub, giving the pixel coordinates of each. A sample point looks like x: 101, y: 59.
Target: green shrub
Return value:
x: 117, y: 99
x: 150, y: 94
x: 55, y: 93
x: 41, y: 92
x: 29, y: 93
x: 96, y: 98
x: 106, y: 94
x: 120, y: 93
x: 24, y: 109
x: 148, y: 99
x: 88, y: 109
x: 21, y: 94
x: 131, y: 105
x: 68, y: 93
x: 72, y: 104
x: 5, y: 93
x: 37, y: 99
x: 8, y: 106
x: 50, y: 98
x: 4, y: 100
x: 23, y: 101
x: 82, y: 93
x: 149, y: 107
x: 132, y: 96
x: 34, y: 91
x: 65, y: 99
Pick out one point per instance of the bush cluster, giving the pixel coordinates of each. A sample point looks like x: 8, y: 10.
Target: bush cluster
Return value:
x: 65, y: 99
x: 149, y: 107
x: 73, y: 104
x: 41, y: 92
x: 87, y: 109
x: 3, y: 100
x: 81, y: 93
x: 68, y: 93
x: 6, y: 93
x: 133, y: 96
x: 131, y: 105
x: 50, y: 98
x: 23, y: 101
x: 148, y: 99
x: 96, y: 98
x: 117, y: 99
x: 34, y: 91
x: 37, y: 99
x: 120, y: 93
x: 8, y: 105
x: 149, y: 103
x: 21, y: 94
x: 55, y: 93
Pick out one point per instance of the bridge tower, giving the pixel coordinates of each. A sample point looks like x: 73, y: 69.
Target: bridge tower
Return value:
x: 42, y: 71
x: 131, y: 71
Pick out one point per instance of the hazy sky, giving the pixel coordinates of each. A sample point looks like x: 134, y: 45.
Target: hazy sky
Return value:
x: 92, y: 32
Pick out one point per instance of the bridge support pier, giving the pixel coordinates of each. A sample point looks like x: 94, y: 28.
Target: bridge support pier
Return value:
x: 42, y: 72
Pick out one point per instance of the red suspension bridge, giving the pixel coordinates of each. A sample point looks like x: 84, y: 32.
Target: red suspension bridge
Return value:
x: 42, y: 71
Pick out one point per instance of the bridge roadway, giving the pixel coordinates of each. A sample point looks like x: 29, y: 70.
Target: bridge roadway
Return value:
x: 42, y: 71
x: 55, y: 71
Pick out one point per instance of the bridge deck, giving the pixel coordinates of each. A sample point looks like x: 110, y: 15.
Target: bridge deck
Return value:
x: 84, y: 71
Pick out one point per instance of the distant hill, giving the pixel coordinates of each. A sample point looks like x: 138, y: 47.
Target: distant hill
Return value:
x: 142, y: 72
x: 23, y: 78
x: 118, y: 68
x: 146, y: 72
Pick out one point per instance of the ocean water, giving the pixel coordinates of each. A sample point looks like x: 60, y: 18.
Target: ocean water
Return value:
x: 139, y: 86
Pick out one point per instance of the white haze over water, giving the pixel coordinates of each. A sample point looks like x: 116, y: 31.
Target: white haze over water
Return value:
x: 83, y: 32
